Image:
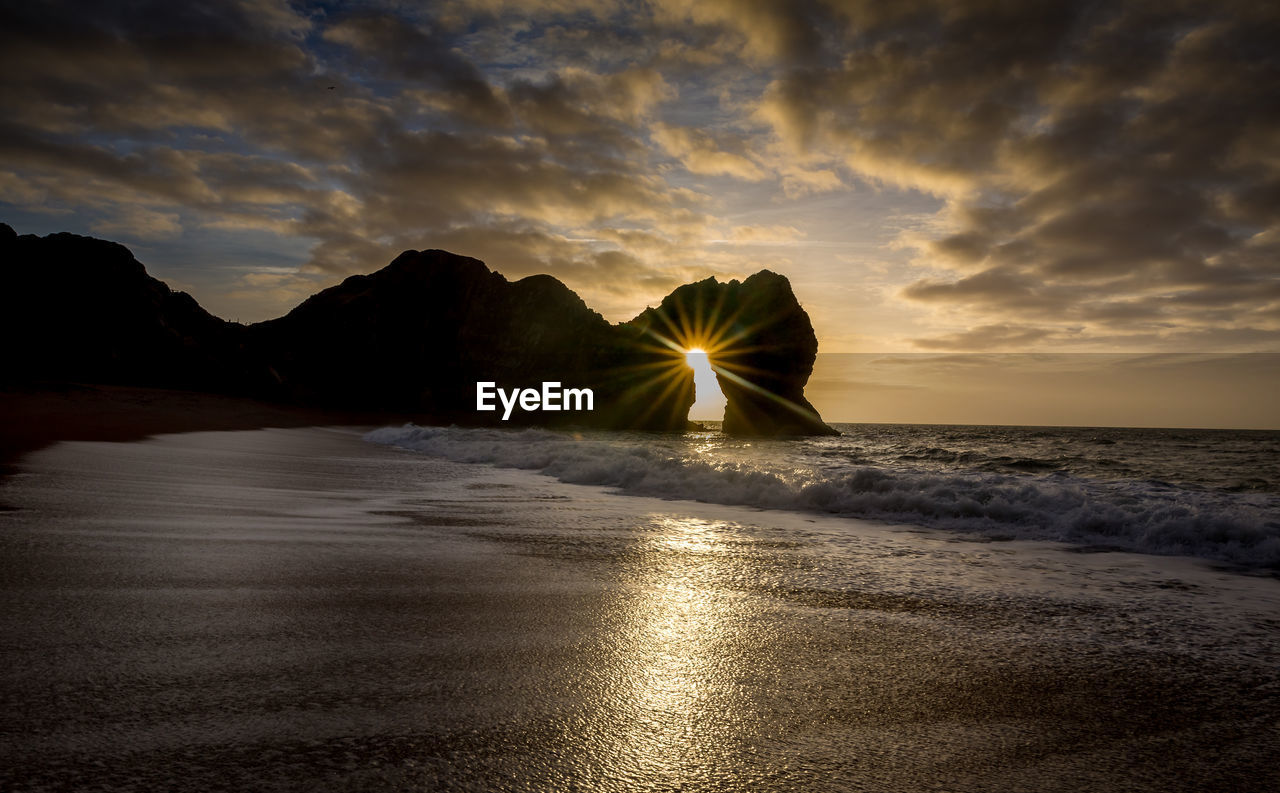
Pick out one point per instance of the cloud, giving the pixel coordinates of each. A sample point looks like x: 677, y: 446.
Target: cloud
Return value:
x: 766, y: 234
x: 701, y: 153
x: 799, y: 181
x: 1102, y: 162
x: 987, y: 337
x: 393, y: 47
x: 140, y: 223
x: 580, y: 103
x: 766, y: 29
x: 1090, y: 153
x: 1107, y: 172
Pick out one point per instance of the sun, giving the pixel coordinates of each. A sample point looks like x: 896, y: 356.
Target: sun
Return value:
x: 697, y: 358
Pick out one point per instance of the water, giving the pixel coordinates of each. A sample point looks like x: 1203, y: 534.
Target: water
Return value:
x: 1214, y: 494
x: 299, y: 610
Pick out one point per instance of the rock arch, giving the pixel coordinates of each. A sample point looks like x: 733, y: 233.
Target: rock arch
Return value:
x: 761, y: 345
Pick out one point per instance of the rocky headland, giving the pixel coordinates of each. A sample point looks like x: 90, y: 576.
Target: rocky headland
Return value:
x: 414, y: 338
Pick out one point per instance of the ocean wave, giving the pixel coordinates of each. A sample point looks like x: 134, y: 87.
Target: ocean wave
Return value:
x: 1143, y: 516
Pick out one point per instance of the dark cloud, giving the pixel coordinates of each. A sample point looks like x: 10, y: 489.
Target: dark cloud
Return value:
x: 1092, y: 153
x: 394, y: 48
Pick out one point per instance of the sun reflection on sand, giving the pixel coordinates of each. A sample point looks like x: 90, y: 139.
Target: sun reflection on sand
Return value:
x: 674, y: 700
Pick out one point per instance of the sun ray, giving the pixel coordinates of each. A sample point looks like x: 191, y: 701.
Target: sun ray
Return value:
x: 781, y: 400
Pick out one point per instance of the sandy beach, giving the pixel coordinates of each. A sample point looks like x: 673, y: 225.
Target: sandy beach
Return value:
x: 299, y: 609
x: 34, y: 415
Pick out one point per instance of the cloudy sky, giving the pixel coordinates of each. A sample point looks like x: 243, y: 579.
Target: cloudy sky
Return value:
x: 960, y: 176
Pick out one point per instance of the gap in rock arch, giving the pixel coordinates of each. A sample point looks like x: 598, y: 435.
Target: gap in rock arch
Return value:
x: 709, y: 401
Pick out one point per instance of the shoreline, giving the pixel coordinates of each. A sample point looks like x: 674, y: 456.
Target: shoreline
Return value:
x: 33, y: 416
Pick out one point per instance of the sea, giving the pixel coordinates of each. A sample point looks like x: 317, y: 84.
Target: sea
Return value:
x: 1207, y: 493
x: 297, y: 610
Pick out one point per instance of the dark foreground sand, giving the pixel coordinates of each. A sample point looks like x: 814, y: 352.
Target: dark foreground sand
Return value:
x: 298, y: 610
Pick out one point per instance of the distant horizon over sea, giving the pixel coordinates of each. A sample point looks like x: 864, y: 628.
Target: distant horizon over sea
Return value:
x: 1148, y: 390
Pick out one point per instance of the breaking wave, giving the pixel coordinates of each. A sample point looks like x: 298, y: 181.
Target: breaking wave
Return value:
x: 1146, y: 516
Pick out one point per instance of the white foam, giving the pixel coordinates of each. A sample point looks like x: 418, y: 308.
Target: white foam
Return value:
x: 1148, y: 517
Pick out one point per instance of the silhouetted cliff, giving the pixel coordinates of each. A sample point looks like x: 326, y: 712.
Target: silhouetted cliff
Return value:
x: 75, y: 307
x: 421, y: 332
x: 416, y: 336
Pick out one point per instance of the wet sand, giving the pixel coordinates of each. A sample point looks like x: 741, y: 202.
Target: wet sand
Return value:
x: 296, y: 609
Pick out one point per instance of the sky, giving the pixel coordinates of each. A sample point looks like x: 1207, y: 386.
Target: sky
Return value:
x: 934, y: 178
